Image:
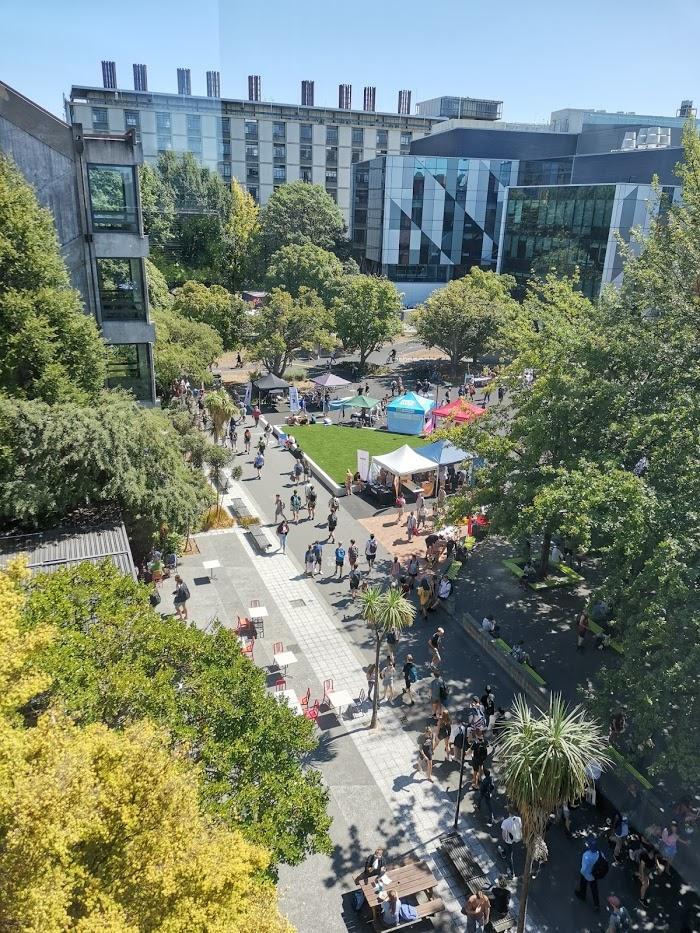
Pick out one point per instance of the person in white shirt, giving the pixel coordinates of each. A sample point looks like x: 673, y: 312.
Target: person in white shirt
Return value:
x: 488, y: 625
x: 555, y: 556
x: 511, y: 833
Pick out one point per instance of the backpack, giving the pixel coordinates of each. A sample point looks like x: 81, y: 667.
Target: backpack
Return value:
x: 443, y: 691
x: 312, y: 497
x: 184, y: 591
x: 372, y: 547
x: 601, y: 867
x: 353, y: 553
x: 358, y: 900
x: 412, y: 674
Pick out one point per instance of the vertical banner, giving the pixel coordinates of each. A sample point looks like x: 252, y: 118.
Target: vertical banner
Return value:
x: 294, y: 399
x: 363, y: 465
x: 248, y: 398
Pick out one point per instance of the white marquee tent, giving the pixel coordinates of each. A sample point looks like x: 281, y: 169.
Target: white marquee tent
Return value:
x: 404, y: 462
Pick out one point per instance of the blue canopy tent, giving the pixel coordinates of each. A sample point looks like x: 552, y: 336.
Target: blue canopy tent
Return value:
x: 443, y: 453
x: 408, y: 414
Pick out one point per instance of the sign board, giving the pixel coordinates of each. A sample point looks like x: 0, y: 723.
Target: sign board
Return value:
x: 294, y: 399
x: 363, y: 465
x: 248, y: 398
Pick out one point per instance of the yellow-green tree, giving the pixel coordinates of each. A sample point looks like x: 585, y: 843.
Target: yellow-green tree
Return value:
x: 239, y: 237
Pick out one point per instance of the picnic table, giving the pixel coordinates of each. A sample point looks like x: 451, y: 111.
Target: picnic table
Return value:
x: 408, y: 879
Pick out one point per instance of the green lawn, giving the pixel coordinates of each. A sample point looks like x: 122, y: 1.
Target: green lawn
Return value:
x: 334, y: 448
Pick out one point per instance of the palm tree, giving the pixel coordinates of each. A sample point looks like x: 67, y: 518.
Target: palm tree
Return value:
x: 220, y: 408
x: 383, y: 612
x: 545, y: 756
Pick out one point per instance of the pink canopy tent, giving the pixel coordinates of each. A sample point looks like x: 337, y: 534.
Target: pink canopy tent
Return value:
x: 460, y: 410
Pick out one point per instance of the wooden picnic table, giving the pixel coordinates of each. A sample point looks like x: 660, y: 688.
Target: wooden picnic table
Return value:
x: 410, y: 878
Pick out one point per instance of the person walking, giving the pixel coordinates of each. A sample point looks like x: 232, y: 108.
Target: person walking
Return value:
x: 295, y: 506
x: 438, y: 694
x: 619, y: 835
x: 581, y: 630
x: 425, y: 596
x: 477, y: 910
x: 488, y: 702
x: 395, y: 570
x: 400, y: 504
x: 354, y: 582
x: 233, y: 435
x: 434, y: 647
x: 282, y: 532
x: 353, y: 554
x: 259, y: 463
x: 311, y: 502
x: 318, y: 557
x: 332, y: 525
x: 422, y: 517
x: 306, y: 468
x: 371, y: 680
x: 256, y: 415
x: 387, y: 675
x: 443, y: 731
x: 333, y: 504
x: 181, y: 594
x: 511, y: 835
x: 339, y: 560
x: 480, y: 753
x: 412, y: 570
x: 619, y: 917
x: 279, y: 508
x: 371, y: 551
x: 591, y: 871
x: 247, y: 437
x: 425, y: 753
x: 411, y: 525
x: 486, y: 789
x: 348, y: 482
x: 420, y: 501
x: 307, y: 489
x: 410, y: 676
x: 309, y: 561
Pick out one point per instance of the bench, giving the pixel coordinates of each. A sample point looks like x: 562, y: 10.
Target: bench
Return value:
x: 503, y: 924
x: 599, y: 630
x: 562, y: 576
x: 426, y: 909
x: 260, y: 538
x: 506, y: 648
x: 240, y: 508
x: 469, y: 870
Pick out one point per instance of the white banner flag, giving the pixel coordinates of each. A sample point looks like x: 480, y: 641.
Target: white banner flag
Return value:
x: 294, y: 399
x: 363, y: 464
x: 248, y: 398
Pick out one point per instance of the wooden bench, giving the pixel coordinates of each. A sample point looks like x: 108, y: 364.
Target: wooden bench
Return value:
x: 240, y: 508
x: 258, y: 535
x: 562, y: 576
x: 426, y: 909
x: 503, y: 924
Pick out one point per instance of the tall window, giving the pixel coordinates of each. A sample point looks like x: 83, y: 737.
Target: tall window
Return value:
x: 382, y: 141
x: 194, y: 124
x: 132, y: 119
x: 113, y: 197
x: 306, y: 174
x: 279, y: 174
x: 279, y: 131
x: 331, y: 155
x: 251, y: 129
x: 127, y: 368
x: 251, y: 153
x: 306, y: 133
x: 224, y: 126
x: 99, y: 118
x: 331, y: 135
x: 358, y: 137
x: 163, y: 122
x: 279, y: 152
x: 121, y: 289
x: 406, y: 139
x: 305, y: 154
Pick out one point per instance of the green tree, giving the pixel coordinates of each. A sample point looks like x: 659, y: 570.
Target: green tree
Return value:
x: 159, y: 297
x: 464, y: 318
x: 157, y: 207
x: 114, y: 660
x: 215, y: 306
x: 56, y: 459
x: 300, y: 213
x: 303, y: 265
x: 384, y: 612
x: 221, y: 409
x: 543, y: 765
x: 183, y: 346
x: 367, y: 314
x: 240, y: 238
x: 286, y: 325
x: 49, y: 348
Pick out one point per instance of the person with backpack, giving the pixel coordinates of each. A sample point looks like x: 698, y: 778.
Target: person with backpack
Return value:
x: 311, y: 498
x: 233, y: 435
x: 295, y: 506
x: 594, y: 867
x: 181, y: 594
x: 511, y: 835
x: 438, y: 694
x: 353, y: 554
x: 355, y: 581
x: 486, y: 789
x: 259, y: 463
x: 339, y: 560
x: 282, y: 532
x: 318, y: 557
x: 246, y: 440
x: 619, y: 917
x: 620, y: 833
x: 411, y: 526
x: 332, y: 525
x: 309, y: 561
x: 371, y: 551
x: 410, y: 676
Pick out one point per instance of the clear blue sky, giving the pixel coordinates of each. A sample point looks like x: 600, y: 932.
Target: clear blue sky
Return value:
x: 536, y: 56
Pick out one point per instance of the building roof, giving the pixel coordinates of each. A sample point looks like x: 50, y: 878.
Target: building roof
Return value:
x: 68, y: 546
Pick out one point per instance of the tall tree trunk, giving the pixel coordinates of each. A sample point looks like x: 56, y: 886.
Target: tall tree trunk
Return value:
x: 525, y: 888
x: 544, y: 554
x: 375, y: 701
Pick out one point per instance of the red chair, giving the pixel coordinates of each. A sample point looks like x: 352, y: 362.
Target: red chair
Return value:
x: 245, y: 627
x: 312, y: 712
x: 248, y: 648
x: 327, y: 688
x: 304, y: 701
x: 277, y: 648
x: 280, y: 685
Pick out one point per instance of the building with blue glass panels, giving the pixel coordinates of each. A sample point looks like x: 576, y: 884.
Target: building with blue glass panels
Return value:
x: 521, y: 200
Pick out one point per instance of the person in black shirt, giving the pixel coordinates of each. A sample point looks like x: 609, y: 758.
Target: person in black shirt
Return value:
x: 499, y: 895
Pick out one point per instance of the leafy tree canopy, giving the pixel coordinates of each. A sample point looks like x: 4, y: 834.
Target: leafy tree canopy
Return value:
x: 303, y: 265
x: 286, y: 325
x: 49, y: 348
x: 367, y: 313
x: 159, y: 297
x: 465, y: 318
x: 114, y: 660
x: 183, y: 346
x: 240, y: 238
x: 300, y: 213
x: 157, y: 207
x: 214, y: 305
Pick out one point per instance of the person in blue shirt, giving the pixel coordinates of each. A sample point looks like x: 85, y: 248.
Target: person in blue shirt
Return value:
x: 586, y: 876
x: 339, y: 559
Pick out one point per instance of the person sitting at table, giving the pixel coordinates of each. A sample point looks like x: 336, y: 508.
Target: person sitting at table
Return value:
x: 391, y: 909
x: 374, y: 864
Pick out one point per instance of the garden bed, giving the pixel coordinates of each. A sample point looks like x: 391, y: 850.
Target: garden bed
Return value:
x: 562, y: 576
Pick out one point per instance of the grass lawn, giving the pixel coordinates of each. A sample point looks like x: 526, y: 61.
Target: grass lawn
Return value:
x: 334, y: 448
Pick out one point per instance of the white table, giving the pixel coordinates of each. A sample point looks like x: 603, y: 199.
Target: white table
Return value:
x: 292, y: 700
x: 284, y: 659
x: 339, y: 698
x: 211, y: 566
x: 257, y: 612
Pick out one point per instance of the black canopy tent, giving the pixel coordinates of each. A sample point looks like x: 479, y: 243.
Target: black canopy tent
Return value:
x: 271, y: 384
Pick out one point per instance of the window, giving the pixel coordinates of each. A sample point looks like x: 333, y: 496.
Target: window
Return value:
x: 163, y: 122
x: 331, y: 176
x: 113, y: 197
x: 306, y: 133
x: 252, y: 173
x: 194, y: 124
x: 333, y: 192
x: 251, y: 129
x: 194, y: 144
x: 279, y: 130
x: 306, y: 174
x: 224, y: 126
x: 406, y: 140
x: 224, y: 150
x: 279, y: 153
x: 164, y: 143
x: 331, y: 155
x: 356, y: 156
x: 132, y: 119
x: 382, y: 141
x: 251, y: 152
x: 306, y: 154
x: 358, y: 136
x: 331, y: 135
x: 99, y: 118
x: 279, y: 173
x: 127, y: 368
x: 225, y: 170
x: 121, y: 289
x: 253, y: 191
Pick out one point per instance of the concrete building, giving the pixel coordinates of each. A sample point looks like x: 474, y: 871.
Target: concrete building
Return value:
x: 90, y: 184
x: 518, y: 199
x: 260, y: 143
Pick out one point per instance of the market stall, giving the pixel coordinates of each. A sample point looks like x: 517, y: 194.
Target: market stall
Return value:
x: 410, y: 414
x: 460, y: 411
x: 405, y: 468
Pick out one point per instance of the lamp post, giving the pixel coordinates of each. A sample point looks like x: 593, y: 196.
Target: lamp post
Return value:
x: 461, y: 772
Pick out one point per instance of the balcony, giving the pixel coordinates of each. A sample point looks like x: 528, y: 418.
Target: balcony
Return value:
x: 123, y: 219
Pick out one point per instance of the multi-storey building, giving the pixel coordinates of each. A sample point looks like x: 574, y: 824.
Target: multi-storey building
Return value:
x: 260, y: 143
x: 90, y: 184
x: 514, y: 199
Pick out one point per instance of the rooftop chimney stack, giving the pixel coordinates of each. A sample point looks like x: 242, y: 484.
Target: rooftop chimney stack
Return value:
x: 405, y: 102
x: 184, y: 83
x: 345, y: 96
x: 109, y: 74
x: 213, y: 84
x: 370, y: 100
x: 254, y: 87
x: 307, y: 93
x: 140, y: 78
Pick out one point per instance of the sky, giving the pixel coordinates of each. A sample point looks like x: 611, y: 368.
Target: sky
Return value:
x: 535, y: 55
